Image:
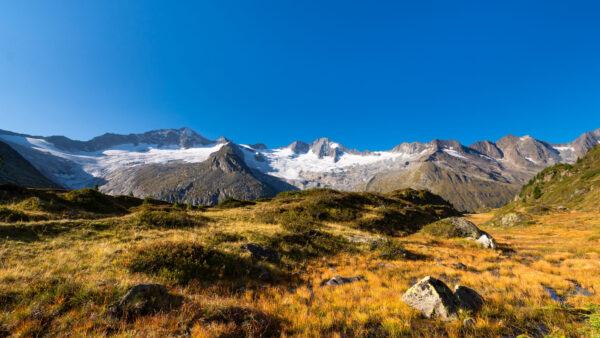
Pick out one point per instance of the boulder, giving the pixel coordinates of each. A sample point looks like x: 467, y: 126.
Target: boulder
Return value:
x: 513, y: 219
x: 261, y: 253
x: 433, y: 299
x: 337, y: 280
x: 486, y: 241
x: 144, y: 299
x: 468, y: 299
x: 461, y: 228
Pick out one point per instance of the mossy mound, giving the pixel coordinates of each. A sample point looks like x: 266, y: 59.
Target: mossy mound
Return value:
x: 182, y: 262
x: 400, y: 212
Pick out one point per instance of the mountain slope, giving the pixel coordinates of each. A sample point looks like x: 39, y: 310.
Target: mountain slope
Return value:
x: 557, y: 188
x: 575, y: 186
x: 16, y: 169
x: 223, y: 175
x: 484, y: 174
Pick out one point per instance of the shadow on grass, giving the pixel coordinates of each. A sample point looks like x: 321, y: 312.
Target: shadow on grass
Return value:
x: 246, y: 322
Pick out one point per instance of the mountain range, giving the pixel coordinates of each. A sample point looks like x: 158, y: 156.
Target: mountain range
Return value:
x: 181, y: 165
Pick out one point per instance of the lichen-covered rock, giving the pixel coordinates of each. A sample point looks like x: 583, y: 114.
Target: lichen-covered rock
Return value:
x: 337, y: 280
x: 468, y: 299
x: 433, y: 299
x: 456, y: 227
x: 513, y: 219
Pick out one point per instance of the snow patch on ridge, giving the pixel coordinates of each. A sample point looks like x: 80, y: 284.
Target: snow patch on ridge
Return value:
x: 450, y: 151
x: 286, y: 164
x: 101, y: 163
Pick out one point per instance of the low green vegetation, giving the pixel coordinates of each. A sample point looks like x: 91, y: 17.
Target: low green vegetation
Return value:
x: 397, y: 213
x: 560, y: 187
x: 182, y: 262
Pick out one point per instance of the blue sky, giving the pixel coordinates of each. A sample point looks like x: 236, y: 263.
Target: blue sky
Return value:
x: 368, y: 74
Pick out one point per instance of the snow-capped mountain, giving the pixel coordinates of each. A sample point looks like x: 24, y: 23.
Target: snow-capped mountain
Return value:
x: 482, y: 174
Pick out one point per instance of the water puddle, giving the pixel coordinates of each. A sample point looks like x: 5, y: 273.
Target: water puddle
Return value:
x: 578, y: 289
x: 553, y: 295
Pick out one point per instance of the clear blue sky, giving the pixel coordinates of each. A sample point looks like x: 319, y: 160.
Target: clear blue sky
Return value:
x: 368, y: 74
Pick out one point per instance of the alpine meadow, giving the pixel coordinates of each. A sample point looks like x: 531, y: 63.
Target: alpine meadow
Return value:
x: 299, y: 169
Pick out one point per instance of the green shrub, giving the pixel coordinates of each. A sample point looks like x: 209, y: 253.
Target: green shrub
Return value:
x: 222, y: 237
x: 537, y: 192
x: 181, y: 262
x: 147, y: 200
x: 300, y: 225
x: 164, y: 219
x: 230, y: 203
x: 311, y: 244
x: 389, y: 249
x: 9, y: 215
x: 590, y: 174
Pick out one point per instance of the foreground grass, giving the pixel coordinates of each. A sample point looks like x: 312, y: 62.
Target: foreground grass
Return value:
x: 63, y: 281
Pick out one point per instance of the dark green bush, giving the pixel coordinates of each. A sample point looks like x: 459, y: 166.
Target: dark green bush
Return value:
x: 181, y: 262
x: 165, y: 219
x: 230, y: 203
x: 9, y: 215
x: 537, y: 192
x: 389, y: 249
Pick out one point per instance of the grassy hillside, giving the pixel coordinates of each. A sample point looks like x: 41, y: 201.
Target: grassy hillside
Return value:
x: 65, y: 274
x: 561, y: 187
x: 463, y: 187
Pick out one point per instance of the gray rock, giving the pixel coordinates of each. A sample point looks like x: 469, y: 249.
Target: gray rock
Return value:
x: 261, y: 253
x: 468, y: 299
x: 337, y: 280
x: 433, y: 299
x: 486, y: 241
x: 466, y: 229
x: 143, y: 299
x: 513, y: 219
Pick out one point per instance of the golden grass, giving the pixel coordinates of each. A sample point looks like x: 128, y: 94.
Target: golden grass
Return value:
x: 558, y: 252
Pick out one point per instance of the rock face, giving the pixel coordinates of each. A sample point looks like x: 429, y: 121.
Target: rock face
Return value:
x: 456, y: 227
x: 468, y: 299
x: 337, y: 280
x: 259, y: 252
x: 433, y: 299
x: 484, y: 174
x: 224, y: 174
x: 144, y: 299
x: 14, y: 168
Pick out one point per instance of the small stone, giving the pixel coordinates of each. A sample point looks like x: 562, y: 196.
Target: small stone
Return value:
x: 459, y: 266
x: 337, y: 280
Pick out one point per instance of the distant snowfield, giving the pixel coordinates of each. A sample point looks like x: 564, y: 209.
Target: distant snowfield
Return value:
x: 286, y: 164
x: 450, y: 151
x: 101, y: 163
